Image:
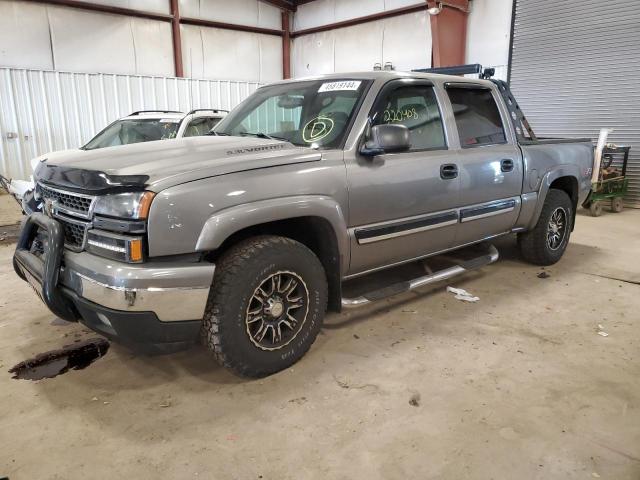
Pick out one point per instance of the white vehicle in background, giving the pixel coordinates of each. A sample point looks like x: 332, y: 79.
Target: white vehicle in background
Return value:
x: 140, y: 126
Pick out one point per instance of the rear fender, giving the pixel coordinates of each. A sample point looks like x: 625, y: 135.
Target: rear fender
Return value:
x: 545, y: 185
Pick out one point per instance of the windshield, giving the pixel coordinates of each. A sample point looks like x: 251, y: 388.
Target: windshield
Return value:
x: 313, y: 113
x: 124, y: 132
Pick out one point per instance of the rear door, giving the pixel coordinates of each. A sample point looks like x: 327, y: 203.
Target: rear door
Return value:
x: 490, y: 163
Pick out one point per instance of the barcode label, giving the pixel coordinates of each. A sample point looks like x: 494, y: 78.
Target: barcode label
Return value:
x: 335, y: 86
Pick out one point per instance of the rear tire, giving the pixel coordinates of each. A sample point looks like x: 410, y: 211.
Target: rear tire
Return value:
x: 546, y: 243
x: 266, y: 305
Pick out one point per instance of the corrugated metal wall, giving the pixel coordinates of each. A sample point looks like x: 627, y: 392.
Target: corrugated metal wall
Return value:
x: 575, y: 69
x: 43, y: 111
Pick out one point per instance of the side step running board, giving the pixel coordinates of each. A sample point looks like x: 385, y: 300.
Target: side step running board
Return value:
x: 407, y: 286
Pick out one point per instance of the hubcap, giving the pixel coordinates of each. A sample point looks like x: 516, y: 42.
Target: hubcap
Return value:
x: 274, y: 307
x: 557, y: 228
x: 277, y: 310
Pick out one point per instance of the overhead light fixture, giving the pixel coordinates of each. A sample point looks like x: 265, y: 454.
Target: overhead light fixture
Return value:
x: 435, y: 10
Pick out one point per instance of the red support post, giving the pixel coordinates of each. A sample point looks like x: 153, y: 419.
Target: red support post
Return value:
x: 286, y: 44
x: 177, y: 40
x: 449, y: 32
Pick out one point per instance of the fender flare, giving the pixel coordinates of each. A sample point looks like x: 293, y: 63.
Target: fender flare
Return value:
x: 548, y: 178
x: 225, y: 223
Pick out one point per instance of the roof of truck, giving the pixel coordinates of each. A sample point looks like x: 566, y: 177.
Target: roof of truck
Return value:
x: 389, y: 75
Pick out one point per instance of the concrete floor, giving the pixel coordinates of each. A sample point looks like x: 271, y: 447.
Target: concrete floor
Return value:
x: 516, y: 386
x: 10, y: 216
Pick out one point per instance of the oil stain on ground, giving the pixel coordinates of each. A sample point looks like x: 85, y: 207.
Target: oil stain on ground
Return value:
x: 56, y: 362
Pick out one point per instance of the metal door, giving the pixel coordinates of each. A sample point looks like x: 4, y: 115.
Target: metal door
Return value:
x: 490, y: 163
x: 400, y: 205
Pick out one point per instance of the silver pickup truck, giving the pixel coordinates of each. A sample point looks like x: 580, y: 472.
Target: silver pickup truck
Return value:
x: 244, y: 238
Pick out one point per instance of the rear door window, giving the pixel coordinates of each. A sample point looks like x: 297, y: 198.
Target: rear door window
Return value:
x: 477, y: 117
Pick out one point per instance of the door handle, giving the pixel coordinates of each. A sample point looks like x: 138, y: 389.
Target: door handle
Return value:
x: 448, y: 171
x: 506, y: 165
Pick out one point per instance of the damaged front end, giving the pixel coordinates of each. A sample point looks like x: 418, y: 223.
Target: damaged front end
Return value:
x: 86, y: 257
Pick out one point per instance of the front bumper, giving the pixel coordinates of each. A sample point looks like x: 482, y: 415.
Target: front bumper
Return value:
x: 148, y: 306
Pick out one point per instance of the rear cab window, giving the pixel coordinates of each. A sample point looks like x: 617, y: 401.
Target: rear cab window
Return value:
x: 477, y: 116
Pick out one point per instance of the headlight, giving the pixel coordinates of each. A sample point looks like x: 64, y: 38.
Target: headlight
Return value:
x: 124, y: 248
x: 124, y: 205
x: 116, y: 218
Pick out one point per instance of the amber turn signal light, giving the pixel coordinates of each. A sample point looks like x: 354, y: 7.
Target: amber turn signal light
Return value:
x: 135, y: 250
x: 145, y: 204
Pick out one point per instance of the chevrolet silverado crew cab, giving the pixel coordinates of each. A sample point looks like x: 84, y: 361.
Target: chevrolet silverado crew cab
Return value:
x: 244, y: 238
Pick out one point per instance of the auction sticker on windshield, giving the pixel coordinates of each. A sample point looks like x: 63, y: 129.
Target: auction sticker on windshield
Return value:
x: 335, y: 86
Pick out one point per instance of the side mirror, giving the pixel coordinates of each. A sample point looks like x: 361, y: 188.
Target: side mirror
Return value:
x: 386, y: 138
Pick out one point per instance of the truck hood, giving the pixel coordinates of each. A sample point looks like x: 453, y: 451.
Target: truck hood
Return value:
x: 160, y: 164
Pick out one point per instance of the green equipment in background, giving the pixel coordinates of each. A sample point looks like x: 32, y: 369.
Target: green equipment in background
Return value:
x: 612, y: 181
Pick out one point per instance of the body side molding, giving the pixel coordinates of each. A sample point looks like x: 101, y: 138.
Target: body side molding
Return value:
x: 403, y: 227
x: 487, y: 210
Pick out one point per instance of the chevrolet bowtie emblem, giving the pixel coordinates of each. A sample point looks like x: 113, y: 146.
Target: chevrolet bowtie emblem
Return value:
x: 48, y: 207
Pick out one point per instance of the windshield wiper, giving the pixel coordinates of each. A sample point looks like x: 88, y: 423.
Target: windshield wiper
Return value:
x: 262, y: 135
x: 217, y: 134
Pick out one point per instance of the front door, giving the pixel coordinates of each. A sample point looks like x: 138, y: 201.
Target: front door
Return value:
x: 400, y: 205
x: 490, y: 165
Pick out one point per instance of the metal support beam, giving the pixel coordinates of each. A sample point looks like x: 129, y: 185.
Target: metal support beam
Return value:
x: 286, y: 44
x: 177, y: 40
x: 449, y: 32
x: 230, y: 26
x: 94, y: 7
x: 357, y: 21
x: 289, y: 5
x: 158, y: 16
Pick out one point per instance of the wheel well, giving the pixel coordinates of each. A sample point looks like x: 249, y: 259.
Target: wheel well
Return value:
x: 569, y: 185
x: 315, y: 233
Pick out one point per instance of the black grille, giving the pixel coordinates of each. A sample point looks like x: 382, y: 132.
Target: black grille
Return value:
x: 73, y: 233
x: 39, y: 245
x: 67, y: 200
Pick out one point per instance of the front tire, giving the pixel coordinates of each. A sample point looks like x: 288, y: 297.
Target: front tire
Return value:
x: 266, y: 305
x: 546, y: 243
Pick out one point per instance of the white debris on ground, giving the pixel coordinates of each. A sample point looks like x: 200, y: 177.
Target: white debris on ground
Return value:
x: 463, y: 295
x: 601, y: 331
